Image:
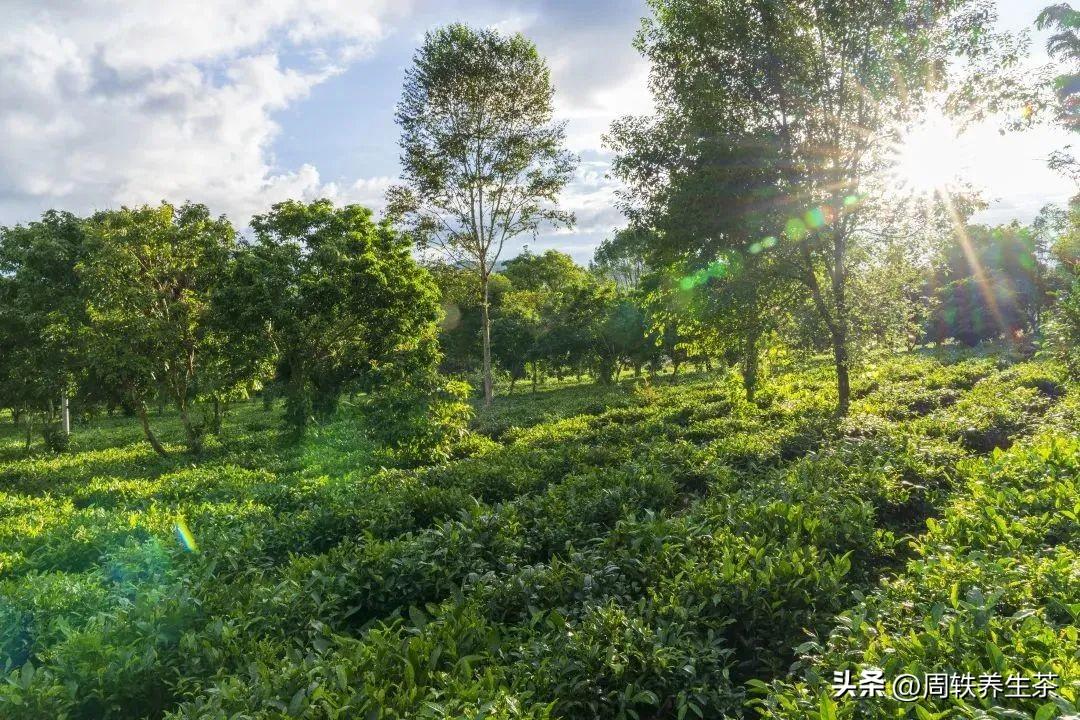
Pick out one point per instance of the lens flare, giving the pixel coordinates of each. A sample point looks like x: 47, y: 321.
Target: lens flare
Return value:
x: 815, y: 218
x: 715, y: 269
x: 795, y: 229
x: 183, y: 534
x: 451, y: 316
x: 762, y: 245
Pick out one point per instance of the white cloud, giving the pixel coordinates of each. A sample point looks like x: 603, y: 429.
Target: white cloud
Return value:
x: 130, y: 101
x: 109, y: 103
x: 591, y: 197
x: 369, y: 192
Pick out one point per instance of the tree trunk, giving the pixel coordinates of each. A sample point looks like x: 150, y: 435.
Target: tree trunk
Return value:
x: 486, y: 322
x: 513, y: 379
x: 843, y: 380
x: 140, y: 409
x: 65, y: 410
x: 535, y: 374
x: 750, y: 365
x: 194, y: 440
x: 840, y: 326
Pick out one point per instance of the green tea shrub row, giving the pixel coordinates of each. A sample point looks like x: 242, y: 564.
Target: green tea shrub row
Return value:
x: 995, y: 589
x: 545, y: 587
x: 355, y: 582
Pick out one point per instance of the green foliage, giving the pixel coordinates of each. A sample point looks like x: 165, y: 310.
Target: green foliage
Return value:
x: 56, y: 440
x: 990, y: 282
x: 423, y: 420
x: 337, y: 298
x: 1064, y: 44
x: 704, y: 545
x: 614, y: 553
x: 43, y: 314
x: 548, y: 317
x: 623, y: 257
x: 758, y: 166
x: 476, y: 125
x: 149, y: 273
x: 990, y: 590
x: 1064, y: 329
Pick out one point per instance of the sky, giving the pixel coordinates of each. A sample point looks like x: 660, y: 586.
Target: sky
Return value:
x: 242, y: 103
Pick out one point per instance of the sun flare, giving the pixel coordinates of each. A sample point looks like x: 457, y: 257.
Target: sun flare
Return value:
x: 930, y: 157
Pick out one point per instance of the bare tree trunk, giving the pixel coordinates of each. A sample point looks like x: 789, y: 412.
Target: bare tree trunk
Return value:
x: 194, y: 436
x: 140, y: 409
x: 750, y: 365
x: 840, y: 326
x: 843, y: 380
x: 219, y: 414
x: 65, y: 410
x: 486, y: 321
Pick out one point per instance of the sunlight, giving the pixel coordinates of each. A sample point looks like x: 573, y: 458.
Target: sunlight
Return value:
x: 930, y: 157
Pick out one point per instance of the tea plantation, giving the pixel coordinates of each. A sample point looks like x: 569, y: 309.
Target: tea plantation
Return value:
x: 662, y: 550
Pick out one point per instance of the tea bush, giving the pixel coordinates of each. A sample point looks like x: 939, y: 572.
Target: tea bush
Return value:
x: 610, y: 553
x: 994, y: 589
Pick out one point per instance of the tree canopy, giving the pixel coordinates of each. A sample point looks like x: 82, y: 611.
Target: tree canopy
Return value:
x: 482, y: 160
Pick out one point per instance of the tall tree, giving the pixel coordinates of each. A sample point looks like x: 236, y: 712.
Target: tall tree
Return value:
x: 482, y: 160
x: 338, y: 301
x: 821, y: 84
x: 42, y: 311
x: 990, y: 281
x: 712, y: 219
x: 1064, y: 45
x: 149, y: 274
x: 623, y: 257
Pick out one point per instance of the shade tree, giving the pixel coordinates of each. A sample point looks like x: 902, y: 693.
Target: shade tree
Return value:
x: 482, y: 160
x: 988, y: 282
x: 623, y: 257
x: 42, y: 314
x: 336, y: 299
x: 818, y: 84
x: 149, y: 274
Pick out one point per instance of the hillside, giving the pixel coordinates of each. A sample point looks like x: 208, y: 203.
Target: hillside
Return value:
x: 653, y: 550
